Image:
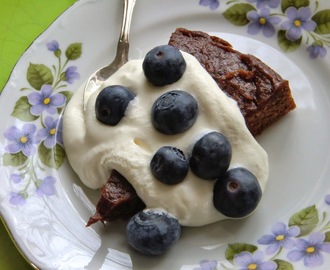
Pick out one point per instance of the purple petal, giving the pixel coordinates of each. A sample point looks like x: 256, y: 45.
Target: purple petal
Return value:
x: 37, y: 109
x: 273, y: 248
x: 29, y: 128
x: 293, y: 231
x: 273, y: 3
x: 267, y: 265
x: 268, y: 30
x: 258, y: 256
x: 29, y: 151
x: 274, y: 20
x: 253, y: 15
x: 313, y: 260
x: 50, y: 142
x: 42, y: 133
x: 308, y: 25
x: 16, y: 178
x: 316, y: 238
x: 13, y: 148
x: 327, y: 199
x: 279, y: 228
x: 291, y: 13
x: 243, y: 259
x: 304, y: 13
x: 267, y: 239
x: 325, y: 247
x: 293, y: 33
x: 253, y: 28
x: 264, y: 12
x: 46, y: 90
x: 34, y: 98
x: 288, y: 243
x: 13, y: 134
x: 295, y: 255
x: 51, y: 109
x: 49, y: 122
x: 58, y: 100
x: 17, y: 199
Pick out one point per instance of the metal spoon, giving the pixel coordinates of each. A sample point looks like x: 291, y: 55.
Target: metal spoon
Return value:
x: 121, y: 58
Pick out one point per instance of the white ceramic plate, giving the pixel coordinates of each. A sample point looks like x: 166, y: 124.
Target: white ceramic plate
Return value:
x: 46, y: 207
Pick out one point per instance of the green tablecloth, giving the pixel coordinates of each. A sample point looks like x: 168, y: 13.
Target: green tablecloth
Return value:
x: 21, y: 21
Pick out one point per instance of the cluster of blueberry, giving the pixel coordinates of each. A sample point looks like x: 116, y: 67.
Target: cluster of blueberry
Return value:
x: 236, y: 191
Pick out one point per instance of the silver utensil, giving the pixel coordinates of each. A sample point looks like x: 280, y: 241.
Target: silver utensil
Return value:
x: 121, y: 57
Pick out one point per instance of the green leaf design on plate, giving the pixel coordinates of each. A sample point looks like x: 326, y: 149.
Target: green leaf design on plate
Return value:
x: 286, y: 44
x: 52, y: 158
x: 14, y: 159
x: 236, y: 14
x: 306, y: 219
x: 74, y: 51
x: 293, y: 3
x: 236, y: 248
x: 283, y: 265
x: 22, y: 110
x: 67, y: 94
x: 327, y: 237
x: 38, y: 75
x: 322, y: 19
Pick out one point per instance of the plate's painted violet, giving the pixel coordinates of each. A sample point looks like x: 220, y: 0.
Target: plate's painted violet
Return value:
x: 303, y: 241
x: 35, y: 142
x: 291, y: 22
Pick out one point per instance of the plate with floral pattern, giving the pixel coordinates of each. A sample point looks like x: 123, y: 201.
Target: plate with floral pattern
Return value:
x: 46, y: 207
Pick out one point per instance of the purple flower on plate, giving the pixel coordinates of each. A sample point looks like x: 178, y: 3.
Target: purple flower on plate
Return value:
x: 246, y: 261
x: 262, y: 21
x: 52, y: 133
x: 21, y: 139
x: 16, y: 178
x: 71, y: 74
x: 17, y: 198
x: 316, y: 50
x: 281, y: 237
x: 45, y: 100
x: 298, y: 20
x: 264, y: 3
x: 46, y: 187
x: 327, y: 199
x: 53, y: 46
x: 213, y: 4
x: 207, y: 265
x: 310, y: 250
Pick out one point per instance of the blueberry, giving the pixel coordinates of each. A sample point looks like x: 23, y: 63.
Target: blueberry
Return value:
x: 152, y: 232
x: 111, y: 104
x: 174, y: 112
x: 237, y: 193
x: 169, y: 165
x: 211, y: 156
x: 163, y: 65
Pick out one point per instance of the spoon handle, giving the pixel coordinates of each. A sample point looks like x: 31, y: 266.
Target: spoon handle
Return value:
x: 123, y: 42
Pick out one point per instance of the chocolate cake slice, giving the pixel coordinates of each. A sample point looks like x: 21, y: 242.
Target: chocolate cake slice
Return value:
x: 118, y: 200
x: 262, y: 95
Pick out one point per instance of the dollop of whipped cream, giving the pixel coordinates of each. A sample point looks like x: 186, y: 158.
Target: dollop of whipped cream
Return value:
x: 95, y: 149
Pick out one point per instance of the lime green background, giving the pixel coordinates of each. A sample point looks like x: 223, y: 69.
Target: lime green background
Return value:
x: 21, y: 21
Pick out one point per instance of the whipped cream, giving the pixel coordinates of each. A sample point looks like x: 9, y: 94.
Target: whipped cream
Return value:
x: 95, y: 149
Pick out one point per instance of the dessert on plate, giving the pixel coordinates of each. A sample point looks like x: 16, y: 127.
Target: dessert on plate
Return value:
x: 262, y: 95
x: 166, y: 147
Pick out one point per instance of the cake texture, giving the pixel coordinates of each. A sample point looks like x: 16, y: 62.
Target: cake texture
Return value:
x: 262, y: 95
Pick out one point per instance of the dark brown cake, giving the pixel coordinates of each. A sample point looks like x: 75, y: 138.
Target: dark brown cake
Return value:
x: 118, y: 200
x: 261, y: 94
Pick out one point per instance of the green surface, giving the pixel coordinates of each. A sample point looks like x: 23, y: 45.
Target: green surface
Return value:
x: 21, y: 21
